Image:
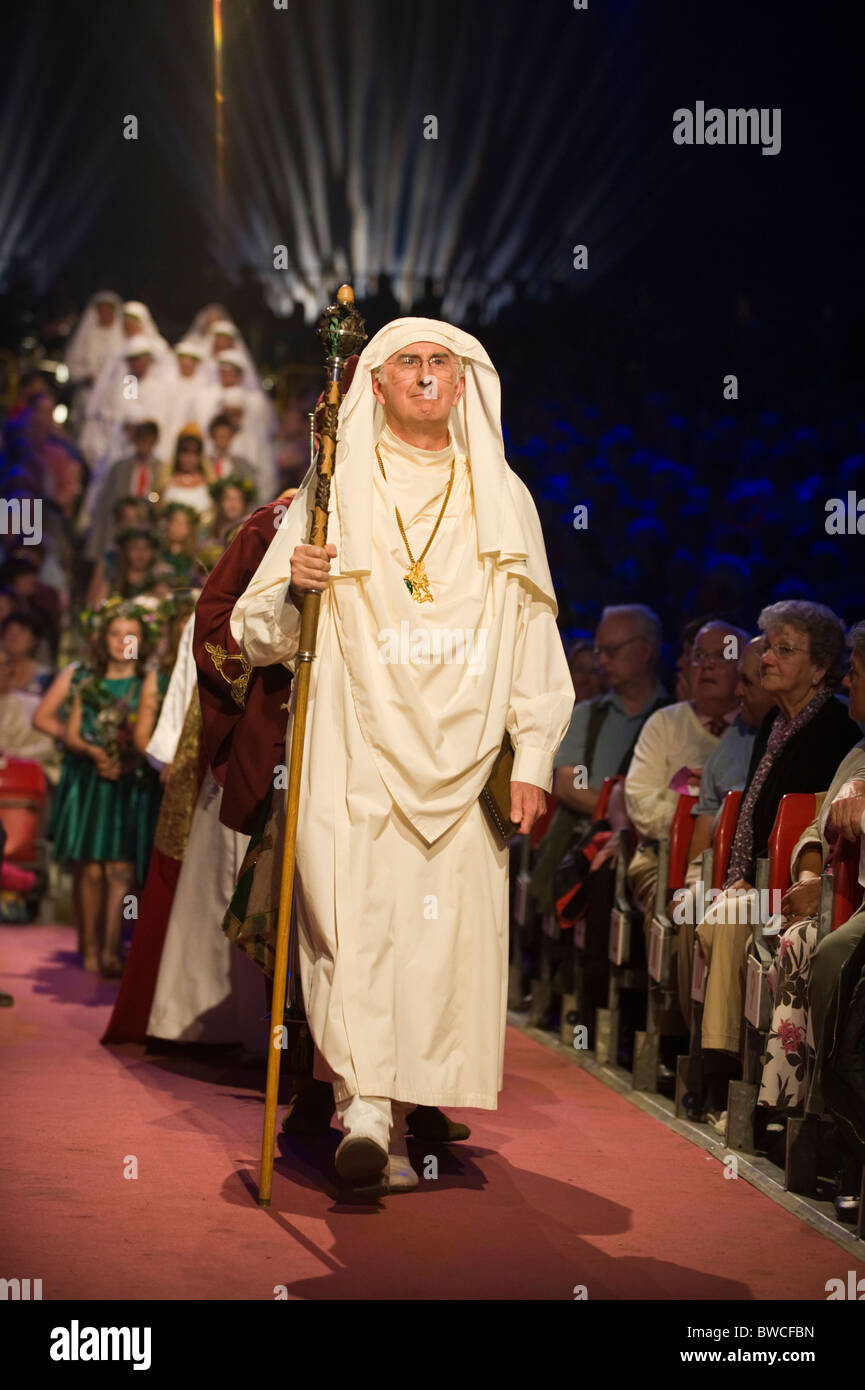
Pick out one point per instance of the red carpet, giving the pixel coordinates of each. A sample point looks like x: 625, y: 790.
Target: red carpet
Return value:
x: 566, y: 1184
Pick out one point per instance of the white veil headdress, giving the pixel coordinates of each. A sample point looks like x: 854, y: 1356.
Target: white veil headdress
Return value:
x: 507, y: 522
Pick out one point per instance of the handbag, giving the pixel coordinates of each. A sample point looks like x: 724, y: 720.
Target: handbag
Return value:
x: 495, y: 797
x: 571, y: 879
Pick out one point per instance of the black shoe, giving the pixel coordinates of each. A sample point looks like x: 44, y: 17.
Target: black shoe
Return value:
x: 666, y: 1082
x: 428, y: 1122
x: 847, y: 1209
x: 309, y: 1114
x: 849, y: 1180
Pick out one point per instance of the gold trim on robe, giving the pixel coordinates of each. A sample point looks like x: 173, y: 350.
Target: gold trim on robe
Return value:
x: 219, y: 656
x: 181, y: 789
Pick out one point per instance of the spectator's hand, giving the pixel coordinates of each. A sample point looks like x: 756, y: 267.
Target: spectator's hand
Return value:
x: 528, y: 804
x: 684, y: 779
x: 847, y: 809
x: 100, y: 758
x: 609, y: 851
x: 802, y: 898
x: 164, y: 774
x: 310, y: 567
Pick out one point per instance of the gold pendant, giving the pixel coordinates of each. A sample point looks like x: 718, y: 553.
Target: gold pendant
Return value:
x: 417, y: 583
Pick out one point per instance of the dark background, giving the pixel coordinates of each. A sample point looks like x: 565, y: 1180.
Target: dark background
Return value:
x: 555, y: 127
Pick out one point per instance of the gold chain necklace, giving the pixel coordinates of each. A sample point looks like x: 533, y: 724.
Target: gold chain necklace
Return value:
x: 415, y: 578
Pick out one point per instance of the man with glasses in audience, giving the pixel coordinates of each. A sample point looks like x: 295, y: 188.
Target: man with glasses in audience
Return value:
x: 602, y: 732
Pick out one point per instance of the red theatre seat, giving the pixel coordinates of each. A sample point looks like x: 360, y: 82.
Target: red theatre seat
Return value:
x: 795, y: 813
x: 604, y: 798
x: 23, y: 790
x: 722, y: 839
x: 847, y: 890
x: 681, y: 829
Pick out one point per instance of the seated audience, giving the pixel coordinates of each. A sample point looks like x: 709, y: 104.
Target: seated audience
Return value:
x: 669, y: 759
x: 726, y: 770
x: 603, y: 731
x: 20, y: 635
x: 18, y: 737
x: 585, y: 674
x: 797, y: 749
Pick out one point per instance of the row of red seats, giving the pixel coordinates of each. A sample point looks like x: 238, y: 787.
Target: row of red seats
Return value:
x: 23, y: 796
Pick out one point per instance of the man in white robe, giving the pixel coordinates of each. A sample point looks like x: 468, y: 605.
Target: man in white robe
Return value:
x: 401, y: 887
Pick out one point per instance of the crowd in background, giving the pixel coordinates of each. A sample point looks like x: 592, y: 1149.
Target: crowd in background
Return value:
x: 126, y: 467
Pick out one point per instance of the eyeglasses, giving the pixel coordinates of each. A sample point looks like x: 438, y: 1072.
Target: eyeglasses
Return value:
x: 407, y: 364
x: 782, y: 650
x: 609, y: 649
x: 699, y: 658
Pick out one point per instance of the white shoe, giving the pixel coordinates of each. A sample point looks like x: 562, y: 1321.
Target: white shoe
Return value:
x: 398, y: 1176
x: 360, y: 1159
x: 401, y: 1176
x: 362, y: 1154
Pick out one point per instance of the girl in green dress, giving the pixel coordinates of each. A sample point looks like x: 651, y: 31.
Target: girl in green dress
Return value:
x: 95, y: 823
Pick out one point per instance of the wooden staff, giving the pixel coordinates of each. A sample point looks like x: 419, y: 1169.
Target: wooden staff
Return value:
x: 341, y: 331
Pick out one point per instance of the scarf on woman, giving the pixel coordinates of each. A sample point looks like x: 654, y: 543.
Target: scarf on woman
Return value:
x: 783, y: 729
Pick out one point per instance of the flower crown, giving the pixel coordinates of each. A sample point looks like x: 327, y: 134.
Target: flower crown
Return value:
x: 189, y: 512
x: 95, y: 620
x: 176, y: 605
x: 244, y: 485
x: 142, y: 532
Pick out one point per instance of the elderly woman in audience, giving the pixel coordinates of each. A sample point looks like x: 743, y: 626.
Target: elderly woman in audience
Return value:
x: 725, y: 770
x: 807, y: 969
x: 797, y: 749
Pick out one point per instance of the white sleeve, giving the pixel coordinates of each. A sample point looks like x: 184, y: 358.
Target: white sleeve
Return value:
x: 264, y: 622
x: 542, y: 694
x: 163, y: 745
x: 649, y: 800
